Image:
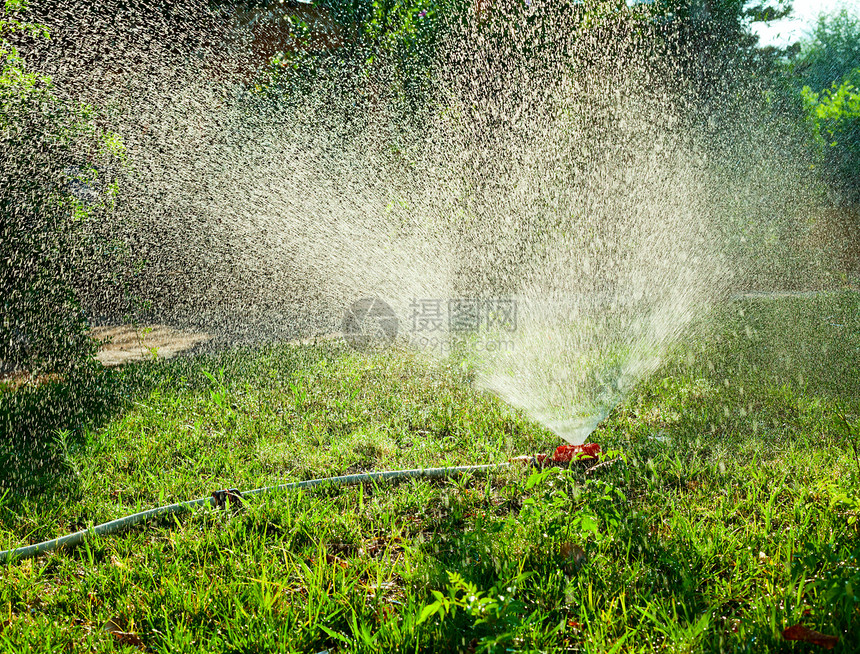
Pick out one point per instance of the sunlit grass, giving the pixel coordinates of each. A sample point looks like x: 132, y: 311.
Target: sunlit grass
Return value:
x: 732, y: 516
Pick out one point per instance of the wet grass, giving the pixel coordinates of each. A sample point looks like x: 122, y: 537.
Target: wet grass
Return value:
x: 731, y: 517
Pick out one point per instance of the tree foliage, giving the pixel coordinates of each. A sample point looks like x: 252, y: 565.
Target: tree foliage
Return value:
x: 834, y: 115
x: 827, y: 73
x: 54, y: 196
x: 831, y: 53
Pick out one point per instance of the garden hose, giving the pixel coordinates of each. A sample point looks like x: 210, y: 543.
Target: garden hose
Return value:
x: 563, y: 455
x: 220, y: 498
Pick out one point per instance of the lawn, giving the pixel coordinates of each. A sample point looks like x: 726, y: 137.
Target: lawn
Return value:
x: 731, y: 515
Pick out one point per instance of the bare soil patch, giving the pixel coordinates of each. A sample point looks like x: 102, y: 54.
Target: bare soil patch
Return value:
x: 125, y: 343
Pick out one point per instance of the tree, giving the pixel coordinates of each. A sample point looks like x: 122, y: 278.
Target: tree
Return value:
x: 834, y: 115
x: 831, y: 53
x: 54, y: 196
x: 827, y: 74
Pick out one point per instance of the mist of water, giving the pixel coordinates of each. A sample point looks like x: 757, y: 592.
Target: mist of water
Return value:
x: 585, y: 184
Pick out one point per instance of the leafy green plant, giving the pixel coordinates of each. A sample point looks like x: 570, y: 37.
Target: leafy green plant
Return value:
x: 850, y: 432
x: 567, y: 509
x: 498, y: 608
x: 142, y: 335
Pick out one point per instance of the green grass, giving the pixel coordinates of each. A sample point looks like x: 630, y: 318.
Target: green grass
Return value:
x: 738, y: 521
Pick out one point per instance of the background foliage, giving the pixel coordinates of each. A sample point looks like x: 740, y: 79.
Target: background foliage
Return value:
x: 59, y: 164
x: 54, y: 199
x: 826, y: 72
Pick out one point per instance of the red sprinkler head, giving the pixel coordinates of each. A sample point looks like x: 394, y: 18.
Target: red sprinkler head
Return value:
x: 575, y: 453
x: 565, y: 455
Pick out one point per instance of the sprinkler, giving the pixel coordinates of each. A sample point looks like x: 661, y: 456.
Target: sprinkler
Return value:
x: 586, y: 455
